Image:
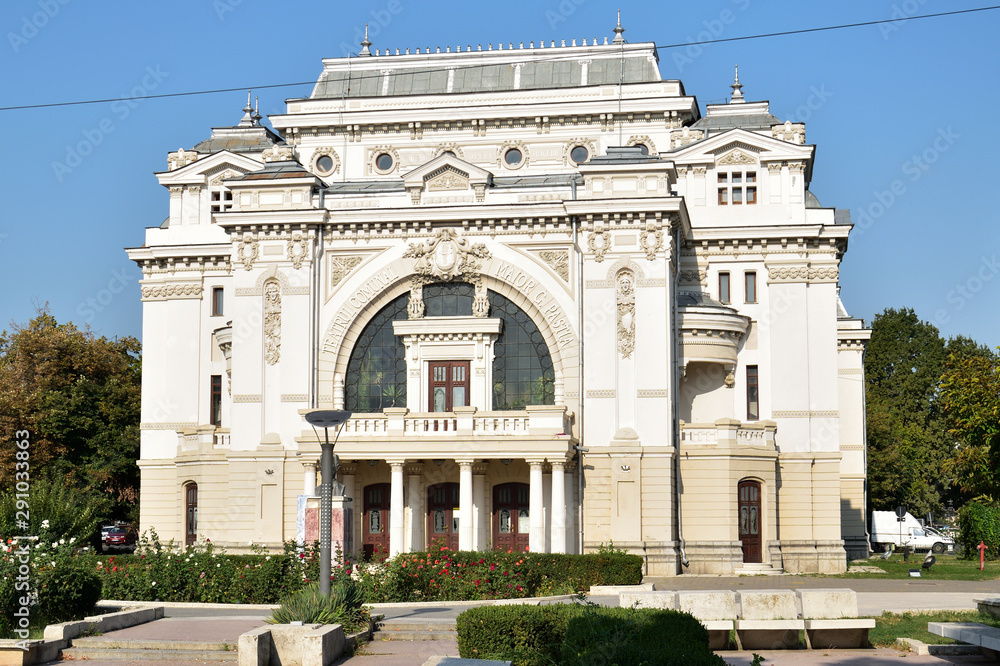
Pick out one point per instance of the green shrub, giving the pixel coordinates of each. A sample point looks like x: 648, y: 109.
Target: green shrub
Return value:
x: 580, y: 635
x: 979, y: 520
x: 345, y: 606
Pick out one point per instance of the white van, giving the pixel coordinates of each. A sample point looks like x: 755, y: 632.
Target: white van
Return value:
x: 888, y: 529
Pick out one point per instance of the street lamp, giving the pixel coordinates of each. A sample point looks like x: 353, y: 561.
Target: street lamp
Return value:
x: 328, y: 465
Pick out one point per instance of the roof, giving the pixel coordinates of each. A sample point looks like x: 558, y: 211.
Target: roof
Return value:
x: 443, y: 73
x: 693, y: 298
x: 238, y: 140
x: 752, y: 122
x: 278, y: 171
x: 623, y: 155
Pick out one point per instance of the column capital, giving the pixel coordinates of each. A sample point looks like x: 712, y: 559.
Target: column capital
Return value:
x: 396, y: 464
x: 309, y: 464
x: 538, y: 463
x: 465, y: 463
x: 558, y: 465
x: 414, y: 468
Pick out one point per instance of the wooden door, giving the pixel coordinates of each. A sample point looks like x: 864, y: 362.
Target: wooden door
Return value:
x: 749, y: 516
x: 375, y: 529
x: 442, y: 516
x: 191, y: 514
x: 511, y: 522
x: 449, y: 385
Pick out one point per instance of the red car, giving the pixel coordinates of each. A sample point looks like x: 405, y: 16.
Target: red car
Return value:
x: 121, y: 538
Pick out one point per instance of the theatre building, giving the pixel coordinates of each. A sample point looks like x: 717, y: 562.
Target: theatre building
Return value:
x: 567, y: 306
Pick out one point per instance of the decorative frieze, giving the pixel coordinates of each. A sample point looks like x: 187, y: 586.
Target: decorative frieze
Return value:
x: 806, y: 414
x: 247, y: 398
x: 652, y: 393
x: 803, y: 273
x: 173, y: 425
x: 600, y: 393
x: 272, y: 321
x: 693, y: 277
x: 172, y: 291
x: 294, y: 397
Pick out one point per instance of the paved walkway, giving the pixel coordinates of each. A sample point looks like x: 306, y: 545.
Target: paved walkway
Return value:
x: 194, y: 623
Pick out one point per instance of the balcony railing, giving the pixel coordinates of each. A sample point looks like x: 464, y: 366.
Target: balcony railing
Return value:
x: 463, y: 422
x: 729, y: 433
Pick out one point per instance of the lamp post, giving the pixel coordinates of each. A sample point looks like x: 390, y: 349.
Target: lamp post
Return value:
x: 328, y: 465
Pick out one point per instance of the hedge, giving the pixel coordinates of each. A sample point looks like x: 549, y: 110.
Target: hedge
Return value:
x: 584, y: 634
x: 979, y: 521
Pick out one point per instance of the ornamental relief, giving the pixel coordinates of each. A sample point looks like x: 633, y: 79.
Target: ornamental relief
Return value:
x: 447, y: 179
x: 644, y: 141
x: 599, y: 242
x: 166, y: 291
x: 447, y: 258
x: 573, y: 143
x: 272, y: 321
x: 340, y: 267
x: 693, y: 277
x: 625, y: 283
x: 803, y: 274
x: 736, y: 157
x: 247, y: 251
x: 558, y: 261
x: 651, y: 241
x: 296, y: 250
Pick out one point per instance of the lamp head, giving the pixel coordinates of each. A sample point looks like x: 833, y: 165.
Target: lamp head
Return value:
x: 327, y: 418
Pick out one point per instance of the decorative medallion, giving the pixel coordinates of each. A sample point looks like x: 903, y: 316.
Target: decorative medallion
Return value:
x: 247, y: 251
x: 599, y: 248
x: 651, y: 240
x: 272, y: 321
x: 332, y: 165
x: 447, y: 257
x: 626, y: 313
x: 340, y: 267
x: 297, y: 250
x: 557, y: 260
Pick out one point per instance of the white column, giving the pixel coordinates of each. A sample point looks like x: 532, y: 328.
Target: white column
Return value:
x: 558, y: 507
x: 465, y: 505
x: 396, y: 508
x: 480, y: 519
x: 536, y: 508
x: 415, y: 507
x: 309, y: 478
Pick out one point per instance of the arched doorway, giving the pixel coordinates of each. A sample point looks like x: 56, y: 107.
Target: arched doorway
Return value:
x: 375, y: 528
x: 442, y: 515
x: 190, y: 514
x: 511, y: 525
x: 749, y: 515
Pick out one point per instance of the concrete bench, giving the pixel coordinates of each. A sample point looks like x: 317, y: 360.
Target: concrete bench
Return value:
x: 973, y: 633
x: 716, y: 610
x: 769, y: 620
x: 831, y: 619
x: 647, y: 599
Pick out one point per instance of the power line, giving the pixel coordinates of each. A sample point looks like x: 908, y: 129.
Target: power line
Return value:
x: 550, y: 59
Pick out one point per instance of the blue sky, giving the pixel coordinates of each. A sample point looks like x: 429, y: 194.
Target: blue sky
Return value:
x: 902, y: 114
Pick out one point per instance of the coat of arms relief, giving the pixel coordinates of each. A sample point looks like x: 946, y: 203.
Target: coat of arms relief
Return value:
x: 447, y: 258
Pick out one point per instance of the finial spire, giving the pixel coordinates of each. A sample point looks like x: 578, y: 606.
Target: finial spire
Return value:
x: 737, y: 89
x: 256, y: 111
x: 247, y: 120
x: 619, y: 30
x: 365, y: 51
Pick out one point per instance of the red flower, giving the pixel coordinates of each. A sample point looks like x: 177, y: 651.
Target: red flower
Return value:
x: 492, y: 566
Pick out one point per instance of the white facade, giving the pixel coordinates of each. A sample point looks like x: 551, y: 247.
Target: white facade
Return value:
x: 494, y: 257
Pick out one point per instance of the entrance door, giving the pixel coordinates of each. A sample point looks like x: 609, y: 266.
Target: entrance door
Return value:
x: 511, y: 525
x: 749, y: 512
x: 442, y: 515
x: 191, y: 514
x: 375, y: 530
x: 449, y: 386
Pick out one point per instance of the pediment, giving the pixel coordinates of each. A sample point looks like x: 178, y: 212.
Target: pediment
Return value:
x: 739, y: 146
x: 206, y: 170
x: 450, y: 175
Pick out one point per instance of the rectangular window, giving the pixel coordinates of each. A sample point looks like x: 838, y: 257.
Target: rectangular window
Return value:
x: 724, y: 287
x: 738, y: 188
x: 753, y: 394
x: 750, y: 284
x: 449, y: 385
x: 216, y: 406
x: 217, y: 295
x: 222, y: 201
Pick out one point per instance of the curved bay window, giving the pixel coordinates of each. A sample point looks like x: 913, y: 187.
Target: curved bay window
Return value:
x: 522, y: 368
x: 376, y: 371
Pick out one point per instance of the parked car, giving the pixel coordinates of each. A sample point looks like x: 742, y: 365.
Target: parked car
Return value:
x: 121, y: 537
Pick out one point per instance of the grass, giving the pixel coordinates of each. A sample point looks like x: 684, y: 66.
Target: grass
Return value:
x: 947, y: 567
x: 890, y: 626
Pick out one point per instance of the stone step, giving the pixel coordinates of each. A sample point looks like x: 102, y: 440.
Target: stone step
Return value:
x: 148, y: 655
x: 758, y: 570
x: 413, y: 631
x: 101, y: 643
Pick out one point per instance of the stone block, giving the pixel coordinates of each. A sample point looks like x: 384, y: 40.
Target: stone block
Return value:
x: 768, y: 605
x: 323, y: 646
x: 662, y: 600
x: 254, y: 647
x: 714, y: 605
x: 828, y: 604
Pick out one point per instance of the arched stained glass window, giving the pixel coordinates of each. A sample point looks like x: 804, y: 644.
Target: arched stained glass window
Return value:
x: 376, y: 371
x: 448, y: 299
x: 522, y: 368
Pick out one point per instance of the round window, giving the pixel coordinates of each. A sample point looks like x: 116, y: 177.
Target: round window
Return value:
x: 449, y: 152
x: 579, y: 154
x: 384, y: 162
x: 513, y: 157
x: 325, y: 164
x: 642, y: 148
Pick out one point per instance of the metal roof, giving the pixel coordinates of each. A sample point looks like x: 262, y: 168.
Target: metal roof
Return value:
x: 239, y: 140
x: 752, y: 122
x: 278, y: 171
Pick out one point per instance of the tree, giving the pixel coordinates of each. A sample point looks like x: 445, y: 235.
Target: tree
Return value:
x: 77, y: 397
x: 970, y: 395
x: 907, y: 443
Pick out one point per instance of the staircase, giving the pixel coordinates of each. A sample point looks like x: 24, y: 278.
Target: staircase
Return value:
x: 410, y: 630
x: 94, y: 648
x: 758, y: 570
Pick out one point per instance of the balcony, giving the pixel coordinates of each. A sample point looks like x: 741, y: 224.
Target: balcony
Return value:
x: 729, y: 433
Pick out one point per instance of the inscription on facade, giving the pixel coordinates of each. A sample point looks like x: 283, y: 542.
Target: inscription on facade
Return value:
x: 368, y: 291
x: 547, y: 304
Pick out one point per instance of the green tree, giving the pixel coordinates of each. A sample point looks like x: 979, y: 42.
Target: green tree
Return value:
x: 77, y: 397
x: 970, y: 395
x: 907, y: 442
